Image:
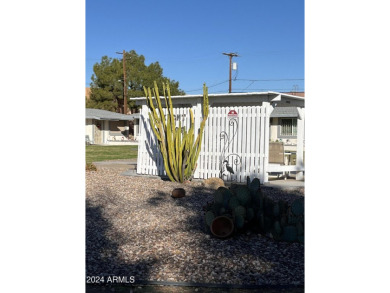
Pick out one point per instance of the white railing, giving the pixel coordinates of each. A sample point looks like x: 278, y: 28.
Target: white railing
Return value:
x: 241, y: 140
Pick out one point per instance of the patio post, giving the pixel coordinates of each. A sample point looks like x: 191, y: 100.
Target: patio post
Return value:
x: 300, y: 138
x: 265, y: 134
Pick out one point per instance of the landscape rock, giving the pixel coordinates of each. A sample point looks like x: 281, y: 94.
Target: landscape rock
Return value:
x: 213, y: 183
x: 134, y: 228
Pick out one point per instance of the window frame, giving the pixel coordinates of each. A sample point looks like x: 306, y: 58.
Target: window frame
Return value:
x: 294, y: 127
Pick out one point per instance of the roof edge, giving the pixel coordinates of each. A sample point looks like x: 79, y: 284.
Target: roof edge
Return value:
x: 230, y: 95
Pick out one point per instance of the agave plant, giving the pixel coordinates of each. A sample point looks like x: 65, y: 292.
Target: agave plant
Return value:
x: 179, y: 148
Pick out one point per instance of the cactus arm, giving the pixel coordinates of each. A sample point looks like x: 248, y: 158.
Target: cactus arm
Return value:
x: 178, y: 154
x: 169, y: 174
x: 150, y: 103
x: 158, y: 100
x: 205, y: 101
x: 194, y: 155
x: 164, y: 153
x: 198, y: 141
x: 170, y: 105
x: 180, y: 142
x: 153, y: 127
x: 170, y: 130
x: 191, y: 130
x: 176, y: 140
x: 171, y: 149
x: 183, y: 165
x: 165, y: 96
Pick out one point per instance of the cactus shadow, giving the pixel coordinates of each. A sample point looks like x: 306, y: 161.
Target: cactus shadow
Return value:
x: 158, y: 199
x: 150, y: 142
x: 102, y: 245
x: 152, y: 148
x: 195, y: 200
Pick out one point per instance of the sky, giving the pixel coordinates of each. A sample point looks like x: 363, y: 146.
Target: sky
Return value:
x: 188, y: 38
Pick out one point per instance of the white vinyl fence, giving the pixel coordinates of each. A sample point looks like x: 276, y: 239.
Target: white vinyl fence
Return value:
x: 235, y: 139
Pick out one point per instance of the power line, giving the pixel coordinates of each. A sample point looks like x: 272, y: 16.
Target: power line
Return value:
x: 282, y: 79
x: 249, y: 84
x: 267, y: 89
x: 209, y: 86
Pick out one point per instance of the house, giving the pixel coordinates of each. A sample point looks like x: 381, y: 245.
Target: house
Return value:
x: 283, y: 126
x: 238, y: 130
x: 110, y: 128
x: 299, y: 94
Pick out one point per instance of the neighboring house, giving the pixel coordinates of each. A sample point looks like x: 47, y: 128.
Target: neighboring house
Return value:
x: 299, y: 94
x: 238, y: 130
x: 110, y: 128
x: 283, y: 126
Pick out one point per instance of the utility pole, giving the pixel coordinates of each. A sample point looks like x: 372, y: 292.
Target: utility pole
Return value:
x: 230, y: 68
x: 124, y: 83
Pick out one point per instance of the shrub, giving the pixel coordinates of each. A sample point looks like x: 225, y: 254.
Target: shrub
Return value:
x: 90, y: 167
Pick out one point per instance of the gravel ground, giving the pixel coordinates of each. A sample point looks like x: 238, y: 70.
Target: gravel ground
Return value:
x: 135, y: 228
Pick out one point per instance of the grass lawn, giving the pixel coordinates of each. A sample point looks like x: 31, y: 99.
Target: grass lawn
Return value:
x: 97, y: 153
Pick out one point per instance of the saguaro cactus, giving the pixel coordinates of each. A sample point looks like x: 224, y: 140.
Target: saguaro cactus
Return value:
x: 179, y: 149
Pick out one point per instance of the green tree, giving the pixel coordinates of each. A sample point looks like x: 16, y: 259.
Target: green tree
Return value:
x: 107, y: 81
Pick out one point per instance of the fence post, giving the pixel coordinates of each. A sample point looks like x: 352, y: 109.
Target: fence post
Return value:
x: 268, y: 110
x: 142, y: 137
x: 300, y: 137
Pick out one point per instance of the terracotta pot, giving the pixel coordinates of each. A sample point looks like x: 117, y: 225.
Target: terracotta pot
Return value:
x: 178, y: 192
x: 222, y: 227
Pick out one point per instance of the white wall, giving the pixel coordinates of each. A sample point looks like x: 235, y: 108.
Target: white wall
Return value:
x: 136, y: 128
x: 273, y: 129
x: 89, y: 129
x: 105, y: 131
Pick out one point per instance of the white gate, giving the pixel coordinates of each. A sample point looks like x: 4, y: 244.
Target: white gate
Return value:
x: 234, y: 146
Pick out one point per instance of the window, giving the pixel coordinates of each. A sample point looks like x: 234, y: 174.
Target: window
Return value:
x: 288, y: 127
x: 117, y: 127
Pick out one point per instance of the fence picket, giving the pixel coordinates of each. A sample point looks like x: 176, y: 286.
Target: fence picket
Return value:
x: 212, y: 143
x: 246, y: 137
x: 205, y: 150
x: 257, y: 141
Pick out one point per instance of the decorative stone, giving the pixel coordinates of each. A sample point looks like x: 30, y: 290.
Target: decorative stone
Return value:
x: 213, y: 182
x: 178, y: 192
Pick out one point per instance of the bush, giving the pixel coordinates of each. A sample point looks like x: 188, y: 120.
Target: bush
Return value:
x: 90, y: 167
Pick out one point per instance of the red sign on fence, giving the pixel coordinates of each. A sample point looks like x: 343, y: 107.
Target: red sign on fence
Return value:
x: 232, y: 113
